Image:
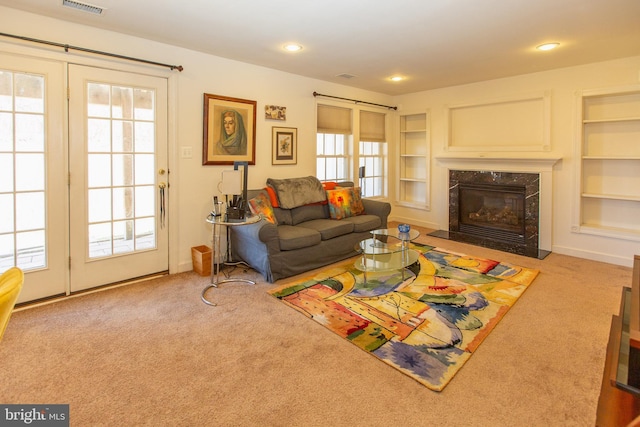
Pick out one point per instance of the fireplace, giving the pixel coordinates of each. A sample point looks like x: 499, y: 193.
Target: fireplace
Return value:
x: 491, y: 210
x: 499, y: 210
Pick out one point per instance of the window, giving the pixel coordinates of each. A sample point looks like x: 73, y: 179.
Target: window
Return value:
x: 332, y: 157
x: 372, y: 153
x: 333, y: 143
x: 335, y: 156
x: 373, y: 157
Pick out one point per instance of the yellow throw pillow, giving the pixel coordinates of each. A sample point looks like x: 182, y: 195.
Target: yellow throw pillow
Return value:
x: 344, y: 202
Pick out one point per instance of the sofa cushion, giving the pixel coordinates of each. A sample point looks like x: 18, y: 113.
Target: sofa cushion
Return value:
x: 309, y: 212
x: 329, y: 229
x: 364, y: 222
x: 283, y: 216
x: 344, y: 202
x: 296, y: 237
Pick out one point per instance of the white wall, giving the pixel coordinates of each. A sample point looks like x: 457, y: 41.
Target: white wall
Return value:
x: 562, y: 86
x: 192, y: 184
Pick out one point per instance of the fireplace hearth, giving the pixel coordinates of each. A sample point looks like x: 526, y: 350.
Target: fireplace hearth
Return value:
x: 498, y: 210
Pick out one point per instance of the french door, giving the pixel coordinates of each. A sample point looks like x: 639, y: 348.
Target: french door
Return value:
x: 117, y: 176
x: 33, y: 190
x: 83, y: 194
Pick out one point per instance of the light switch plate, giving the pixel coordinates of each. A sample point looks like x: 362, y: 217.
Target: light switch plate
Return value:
x: 187, y: 152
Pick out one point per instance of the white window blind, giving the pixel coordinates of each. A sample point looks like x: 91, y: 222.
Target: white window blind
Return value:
x: 334, y: 120
x: 372, y: 126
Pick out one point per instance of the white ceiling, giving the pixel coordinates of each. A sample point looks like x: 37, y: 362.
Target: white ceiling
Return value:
x: 434, y: 43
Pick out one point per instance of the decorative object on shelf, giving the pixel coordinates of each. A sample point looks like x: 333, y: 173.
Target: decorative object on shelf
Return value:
x: 229, y: 132
x: 285, y: 146
x: 404, y: 228
x: 275, y: 112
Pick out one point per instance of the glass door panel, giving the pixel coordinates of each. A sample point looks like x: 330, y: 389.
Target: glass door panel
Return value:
x: 123, y: 138
x: 32, y: 190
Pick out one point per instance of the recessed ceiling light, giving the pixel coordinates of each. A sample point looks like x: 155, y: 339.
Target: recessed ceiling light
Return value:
x: 548, y: 46
x: 396, y: 78
x: 292, y: 47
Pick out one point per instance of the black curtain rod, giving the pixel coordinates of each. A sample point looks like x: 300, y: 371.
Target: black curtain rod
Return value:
x: 355, y: 100
x: 98, y: 52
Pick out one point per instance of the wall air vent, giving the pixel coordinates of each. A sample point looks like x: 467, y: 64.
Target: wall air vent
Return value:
x: 83, y: 6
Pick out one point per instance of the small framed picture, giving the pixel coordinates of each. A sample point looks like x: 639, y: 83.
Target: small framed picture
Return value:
x: 285, y: 146
x: 275, y: 112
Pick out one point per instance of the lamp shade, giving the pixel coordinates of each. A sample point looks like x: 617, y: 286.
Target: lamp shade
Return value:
x: 231, y: 182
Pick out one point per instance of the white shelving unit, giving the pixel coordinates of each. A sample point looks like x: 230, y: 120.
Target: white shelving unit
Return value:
x: 413, y: 165
x: 609, y: 172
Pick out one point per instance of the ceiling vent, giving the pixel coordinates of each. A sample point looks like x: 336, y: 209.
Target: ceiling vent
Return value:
x: 346, y: 76
x: 83, y: 7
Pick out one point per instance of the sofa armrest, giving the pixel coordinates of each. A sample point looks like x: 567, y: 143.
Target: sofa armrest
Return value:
x: 254, y: 244
x: 379, y: 208
x: 263, y: 234
x: 268, y: 235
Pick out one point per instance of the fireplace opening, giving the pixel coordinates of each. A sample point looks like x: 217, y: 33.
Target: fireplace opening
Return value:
x: 498, y: 210
x: 492, y: 210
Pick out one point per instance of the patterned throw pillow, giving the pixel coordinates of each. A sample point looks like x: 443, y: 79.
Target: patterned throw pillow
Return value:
x: 260, y: 205
x: 357, y: 201
x: 344, y: 202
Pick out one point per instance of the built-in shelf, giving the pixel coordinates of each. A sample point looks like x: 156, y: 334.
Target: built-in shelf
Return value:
x: 608, y: 176
x: 611, y: 196
x: 619, y: 119
x: 413, y: 161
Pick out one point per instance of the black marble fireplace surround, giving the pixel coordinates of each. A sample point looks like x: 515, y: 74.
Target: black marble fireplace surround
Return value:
x: 497, y: 210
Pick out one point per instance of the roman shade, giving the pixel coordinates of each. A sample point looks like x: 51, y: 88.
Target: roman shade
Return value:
x: 334, y: 120
x: 372, y: 127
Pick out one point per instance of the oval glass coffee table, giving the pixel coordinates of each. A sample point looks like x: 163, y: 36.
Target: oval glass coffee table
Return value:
x: 380, y: 256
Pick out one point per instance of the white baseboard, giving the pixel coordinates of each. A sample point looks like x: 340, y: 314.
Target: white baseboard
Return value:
x: 594, y: 256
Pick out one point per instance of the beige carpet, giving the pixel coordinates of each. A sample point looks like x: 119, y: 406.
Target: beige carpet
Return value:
x: 152, y: 353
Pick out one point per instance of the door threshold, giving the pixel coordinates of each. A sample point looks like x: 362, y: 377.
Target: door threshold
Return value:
x: 62, y: 297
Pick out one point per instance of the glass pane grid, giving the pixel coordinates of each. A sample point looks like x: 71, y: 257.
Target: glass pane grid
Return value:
x: 121, y: 193
x: 332, y: 162
x: 22, y: 172
x: 373, y: 157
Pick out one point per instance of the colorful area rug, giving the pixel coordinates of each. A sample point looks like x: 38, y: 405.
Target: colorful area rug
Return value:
x: 427, y: 325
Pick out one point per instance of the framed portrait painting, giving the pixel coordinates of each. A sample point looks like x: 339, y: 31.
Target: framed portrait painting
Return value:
x: 285, y: 146
x: 229, y: 130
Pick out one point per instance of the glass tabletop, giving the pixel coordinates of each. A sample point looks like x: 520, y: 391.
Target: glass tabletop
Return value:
x: 221, y: 219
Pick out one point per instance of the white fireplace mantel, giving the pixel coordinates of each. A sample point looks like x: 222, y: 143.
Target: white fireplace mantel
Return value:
x: 531, y: 162
x: 503, y: 162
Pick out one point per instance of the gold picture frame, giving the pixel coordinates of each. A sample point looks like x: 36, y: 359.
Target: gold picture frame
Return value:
x: 229, y: 131
x: 285, y: 146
